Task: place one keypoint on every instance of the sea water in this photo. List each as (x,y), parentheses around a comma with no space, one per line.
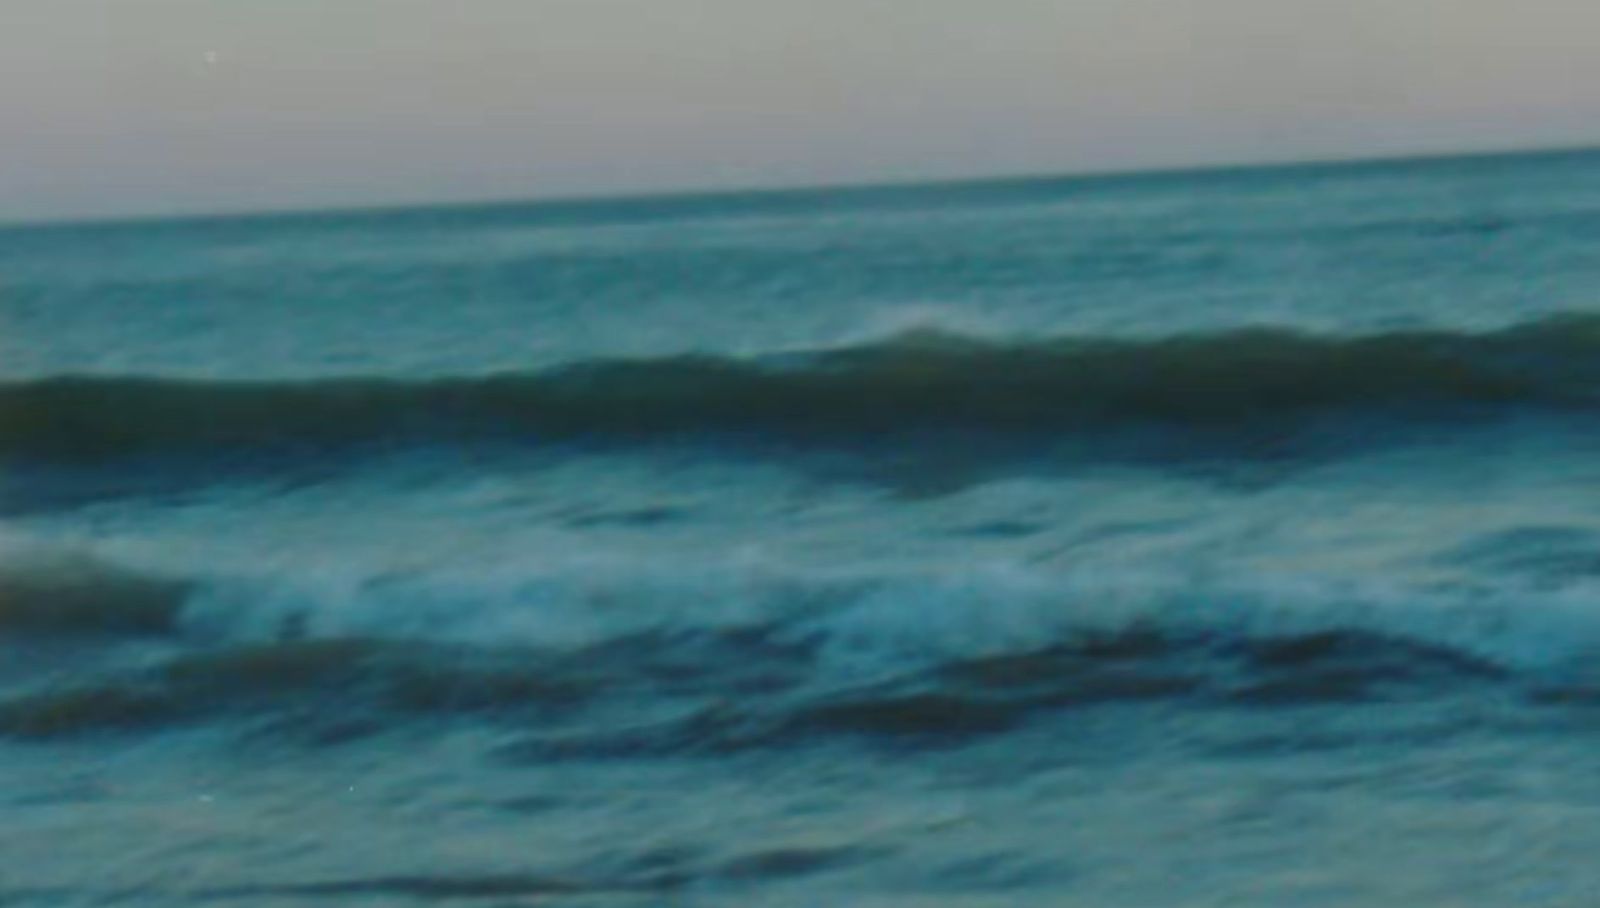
(1224,538)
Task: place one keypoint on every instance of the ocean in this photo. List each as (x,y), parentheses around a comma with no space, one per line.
(1224,538)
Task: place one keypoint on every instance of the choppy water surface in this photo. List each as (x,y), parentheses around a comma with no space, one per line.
(1208,539)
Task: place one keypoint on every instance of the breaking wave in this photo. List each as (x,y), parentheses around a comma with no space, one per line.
(625,662)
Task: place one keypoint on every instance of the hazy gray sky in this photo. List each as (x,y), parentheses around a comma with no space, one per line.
(150,106)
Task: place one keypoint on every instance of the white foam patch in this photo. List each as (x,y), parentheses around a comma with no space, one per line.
(869,623)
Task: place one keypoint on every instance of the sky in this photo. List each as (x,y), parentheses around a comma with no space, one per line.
(130,107)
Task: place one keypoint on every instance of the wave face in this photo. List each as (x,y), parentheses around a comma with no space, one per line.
(56,593)
(912,383)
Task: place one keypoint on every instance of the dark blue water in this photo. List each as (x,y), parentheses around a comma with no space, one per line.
(1223,538)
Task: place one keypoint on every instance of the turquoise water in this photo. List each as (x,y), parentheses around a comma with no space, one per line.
(1224,538)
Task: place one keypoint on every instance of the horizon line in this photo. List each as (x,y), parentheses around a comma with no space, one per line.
(712,194)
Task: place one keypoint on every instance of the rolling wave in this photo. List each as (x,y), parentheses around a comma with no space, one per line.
(67,593)
(911,383)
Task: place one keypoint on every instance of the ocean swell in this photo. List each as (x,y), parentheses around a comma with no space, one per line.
(907,384)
